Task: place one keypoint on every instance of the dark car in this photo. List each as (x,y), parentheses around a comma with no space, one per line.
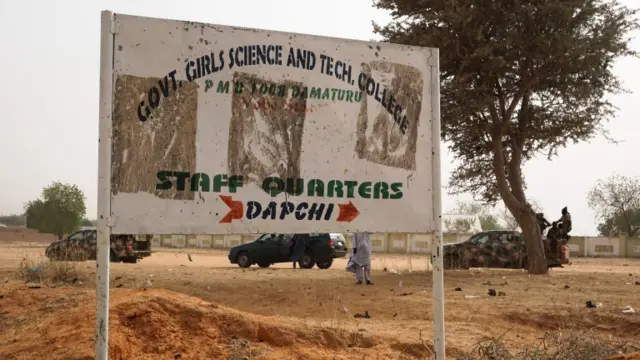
(497,249)
(267,249)
(83,245)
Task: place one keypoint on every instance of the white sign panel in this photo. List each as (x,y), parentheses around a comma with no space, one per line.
(220,129)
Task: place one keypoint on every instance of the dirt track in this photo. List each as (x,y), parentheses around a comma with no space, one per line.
(311,311)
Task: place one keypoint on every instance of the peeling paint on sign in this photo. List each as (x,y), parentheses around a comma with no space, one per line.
(169,141)
(219,129)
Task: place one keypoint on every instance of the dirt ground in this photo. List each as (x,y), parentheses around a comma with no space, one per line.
(210,309)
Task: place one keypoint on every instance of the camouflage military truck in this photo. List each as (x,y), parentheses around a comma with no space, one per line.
(83,245)
(498,249)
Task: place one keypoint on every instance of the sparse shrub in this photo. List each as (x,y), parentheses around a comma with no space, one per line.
(574,345)
(242,349)
(47,272)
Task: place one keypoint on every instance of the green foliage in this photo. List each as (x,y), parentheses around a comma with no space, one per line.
(616,201)
(619,225)
(488,220)
(510,222)
(13,220)
(59,211)
(457,226)
(518,79)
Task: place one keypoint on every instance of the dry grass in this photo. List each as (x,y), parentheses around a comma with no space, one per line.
(572,345)
(242,349)
(47,272)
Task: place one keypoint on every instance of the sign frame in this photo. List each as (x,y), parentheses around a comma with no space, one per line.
(108,32)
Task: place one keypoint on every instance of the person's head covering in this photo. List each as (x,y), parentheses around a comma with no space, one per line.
(564,210)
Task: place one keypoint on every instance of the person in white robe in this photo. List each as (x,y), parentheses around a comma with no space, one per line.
(360,261)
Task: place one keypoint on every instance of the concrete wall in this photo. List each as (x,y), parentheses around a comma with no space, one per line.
(9,235)
(380,242)
(402,243)
(604,247)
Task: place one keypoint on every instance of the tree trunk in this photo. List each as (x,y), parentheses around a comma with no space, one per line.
(511,189)
(536,259)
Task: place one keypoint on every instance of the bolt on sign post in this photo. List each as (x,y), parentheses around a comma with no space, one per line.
(208,129)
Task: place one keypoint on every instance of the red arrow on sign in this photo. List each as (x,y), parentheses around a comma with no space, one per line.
(348,212)
(236,211)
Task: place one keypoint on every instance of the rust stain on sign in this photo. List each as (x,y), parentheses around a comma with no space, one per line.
(379,139)
(265,140)
(166,141)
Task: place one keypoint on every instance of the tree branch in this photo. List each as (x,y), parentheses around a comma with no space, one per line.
(498,168)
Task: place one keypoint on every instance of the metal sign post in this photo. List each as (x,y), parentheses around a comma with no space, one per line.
(104,185)
(437,266)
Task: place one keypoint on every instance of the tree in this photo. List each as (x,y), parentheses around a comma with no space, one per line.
(59,211)
(616,201)
(488,221)
(606,228)
(618,225)
(510,222)
(457,226)
(518,79)
(13,220)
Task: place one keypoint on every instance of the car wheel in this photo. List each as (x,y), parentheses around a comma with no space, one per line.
(325,264)
(264,265)
(130,260)
(243,260)
(306,261)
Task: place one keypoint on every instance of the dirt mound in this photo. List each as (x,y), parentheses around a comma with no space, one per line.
(160,324)
(612,321)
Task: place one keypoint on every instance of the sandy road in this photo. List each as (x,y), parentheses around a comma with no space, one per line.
(400,304)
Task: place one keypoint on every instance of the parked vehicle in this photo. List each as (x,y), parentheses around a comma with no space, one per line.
(499,249)
(83,245)
(267,249)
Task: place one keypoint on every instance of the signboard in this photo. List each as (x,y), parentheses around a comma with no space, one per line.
(208,129)
(219,129)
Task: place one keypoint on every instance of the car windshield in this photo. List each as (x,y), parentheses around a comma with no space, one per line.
(267,237)
(263,237)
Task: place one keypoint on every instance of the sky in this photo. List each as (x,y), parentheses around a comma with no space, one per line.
(49,126)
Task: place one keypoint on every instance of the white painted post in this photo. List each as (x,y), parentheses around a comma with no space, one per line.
(436,243)
(104,185)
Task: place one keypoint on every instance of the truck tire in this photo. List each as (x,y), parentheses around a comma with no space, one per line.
(306,261)
(243,260)
(324,264)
